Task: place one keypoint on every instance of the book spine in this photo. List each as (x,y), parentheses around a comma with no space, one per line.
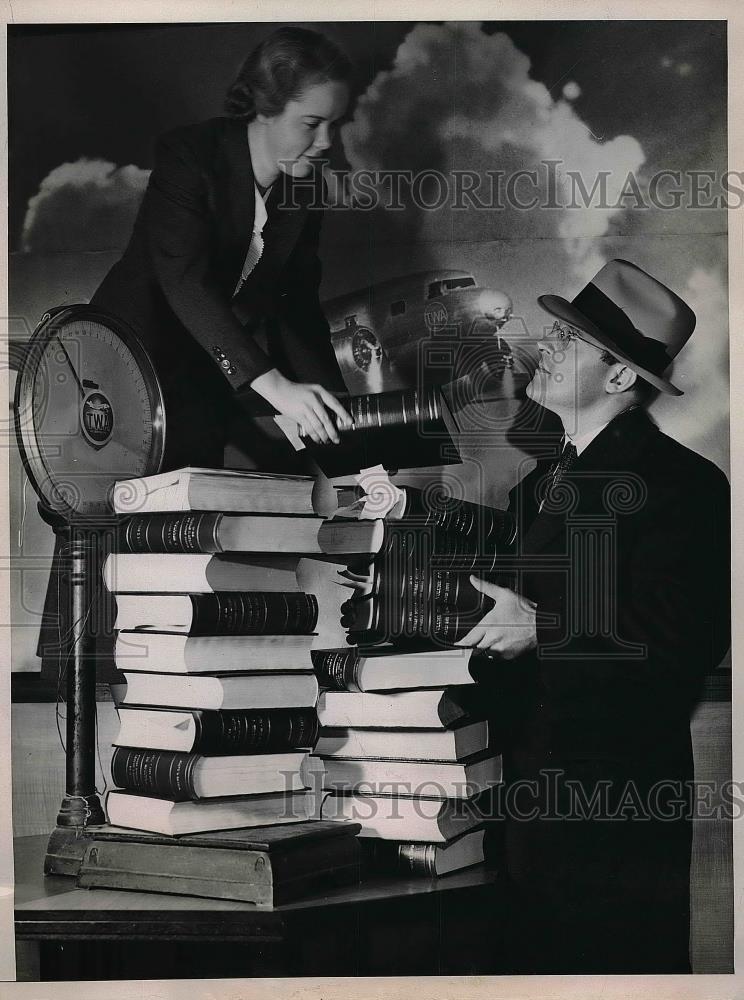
(172,533)
(396,858)
(435,587)
(404,542)
(163,773)
(336,669)
(407,623)
(422,541)
(378,410)
(254,613)
(484,526)
(417,859)
(230,732)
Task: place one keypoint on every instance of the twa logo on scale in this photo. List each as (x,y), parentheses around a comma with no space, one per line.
(97,419)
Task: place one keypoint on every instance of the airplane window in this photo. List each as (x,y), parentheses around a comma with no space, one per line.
(451,283)
(437,288)
(397,308)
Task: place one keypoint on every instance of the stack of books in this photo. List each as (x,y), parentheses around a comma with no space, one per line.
(403,741)
(405,753)
(224,584)
(417,587)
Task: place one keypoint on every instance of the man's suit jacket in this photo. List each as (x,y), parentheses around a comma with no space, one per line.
(175,283)
(628,565)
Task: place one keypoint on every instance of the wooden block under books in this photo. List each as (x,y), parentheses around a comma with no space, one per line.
(266,867)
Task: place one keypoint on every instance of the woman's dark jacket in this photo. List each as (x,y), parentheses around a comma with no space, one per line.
(175,284)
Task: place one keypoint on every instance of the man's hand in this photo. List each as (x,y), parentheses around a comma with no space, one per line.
(508,629)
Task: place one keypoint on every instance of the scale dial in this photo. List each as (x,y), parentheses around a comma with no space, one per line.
(89,410)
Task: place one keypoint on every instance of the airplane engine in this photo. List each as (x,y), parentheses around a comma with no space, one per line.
(361,356)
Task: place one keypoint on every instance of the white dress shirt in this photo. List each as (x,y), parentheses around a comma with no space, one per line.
(582,441)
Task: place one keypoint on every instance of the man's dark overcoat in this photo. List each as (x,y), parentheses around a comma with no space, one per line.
(628,564)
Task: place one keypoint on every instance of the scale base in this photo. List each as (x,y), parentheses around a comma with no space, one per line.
(78,822)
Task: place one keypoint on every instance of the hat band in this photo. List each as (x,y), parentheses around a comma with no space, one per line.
(610,318)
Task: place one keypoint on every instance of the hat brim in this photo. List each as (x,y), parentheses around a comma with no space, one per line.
(563,309)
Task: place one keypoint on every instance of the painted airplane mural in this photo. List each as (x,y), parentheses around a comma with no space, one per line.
(429,326)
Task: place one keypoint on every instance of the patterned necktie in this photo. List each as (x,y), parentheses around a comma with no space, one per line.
(564,464)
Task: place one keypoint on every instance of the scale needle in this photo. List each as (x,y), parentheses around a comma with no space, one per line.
(72,367)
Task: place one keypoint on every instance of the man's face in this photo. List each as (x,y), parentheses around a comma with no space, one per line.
(571,375)
(305,128)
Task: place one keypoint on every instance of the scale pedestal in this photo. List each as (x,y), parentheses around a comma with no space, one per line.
(80,812)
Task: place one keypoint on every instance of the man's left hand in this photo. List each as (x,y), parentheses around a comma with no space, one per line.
(508,629)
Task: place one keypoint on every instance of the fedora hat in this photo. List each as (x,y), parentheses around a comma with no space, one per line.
(626,311)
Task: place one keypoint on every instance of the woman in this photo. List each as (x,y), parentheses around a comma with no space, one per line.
(220,277)
(221,274)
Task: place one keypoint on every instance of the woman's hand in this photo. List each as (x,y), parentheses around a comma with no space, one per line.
(312,406)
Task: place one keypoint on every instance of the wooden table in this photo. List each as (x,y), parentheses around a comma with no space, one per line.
(384,926)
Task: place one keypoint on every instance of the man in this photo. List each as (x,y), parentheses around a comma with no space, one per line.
(619,609)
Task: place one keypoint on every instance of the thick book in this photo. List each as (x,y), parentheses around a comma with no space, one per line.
(427,860)
(215,489)
(176,653)
(406,428)
(189,574)
(262,866)
(413,778)
(350,669)
(416,744)
(214,532)
(423,583)
(384,620)
(391,817)
(189,776)
(160,815)
(431,709)
(259,690)
(251,613)
(410,548)
(246,731)
(485,527)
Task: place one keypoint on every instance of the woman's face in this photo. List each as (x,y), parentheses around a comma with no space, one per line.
(305,128)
